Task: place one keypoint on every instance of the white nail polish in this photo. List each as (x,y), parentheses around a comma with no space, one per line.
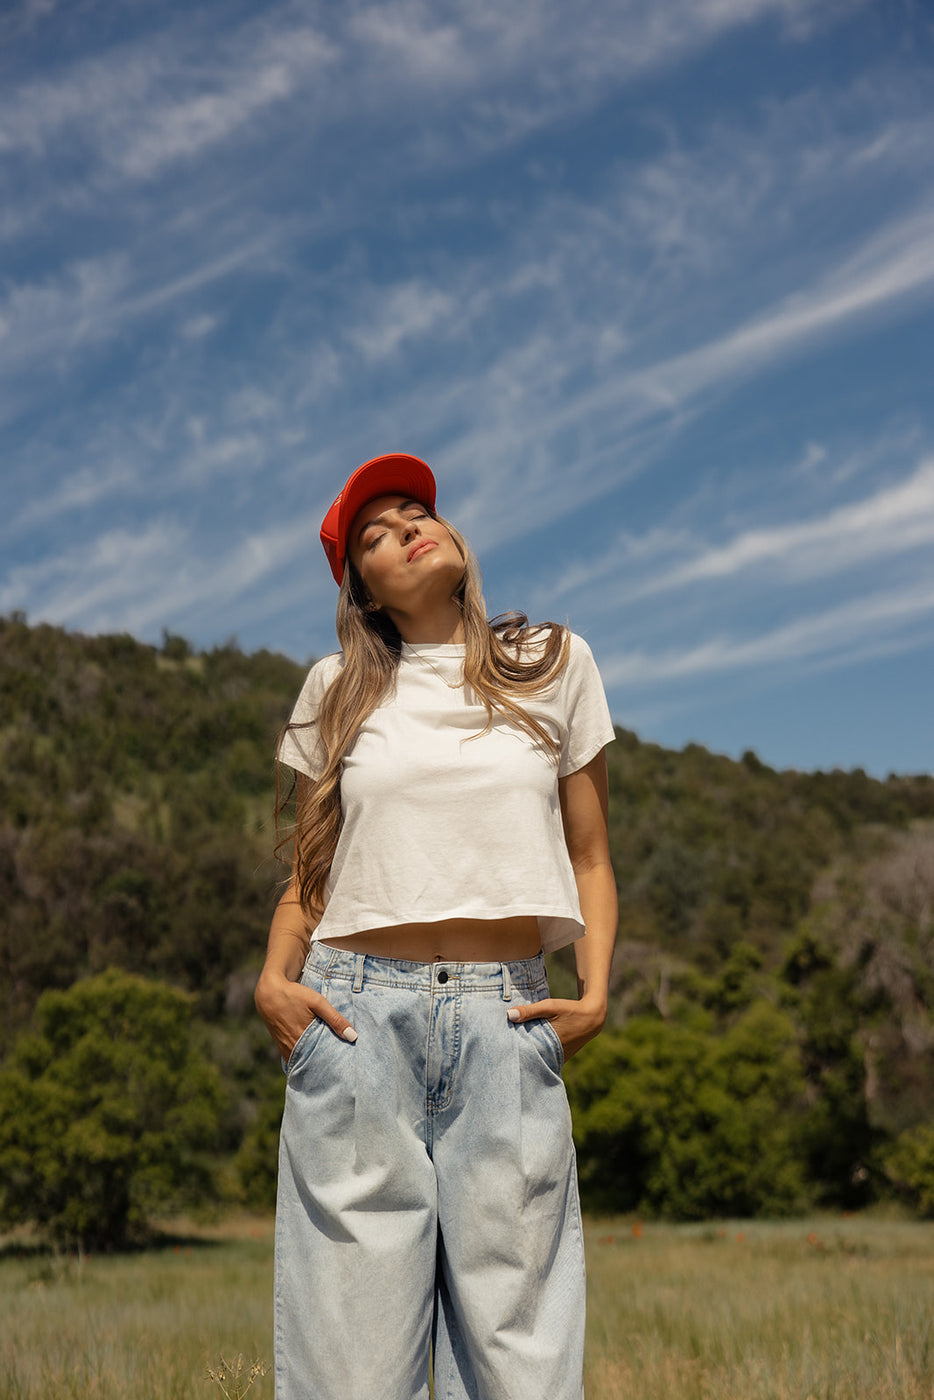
(514,1013)
(349,1034)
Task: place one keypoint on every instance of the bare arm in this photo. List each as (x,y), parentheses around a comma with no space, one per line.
(285,1005)
(584,809)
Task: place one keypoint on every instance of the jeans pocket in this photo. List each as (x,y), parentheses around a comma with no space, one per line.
(547,1042)
(312,979)
(304,1045)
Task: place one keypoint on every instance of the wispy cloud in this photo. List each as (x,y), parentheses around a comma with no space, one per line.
(267,66)
(862,627)
(91,582)
(163,98)
(90,301)
(142,579)
(893,521)
(407,311)
(832,535)
(79,490)
(894,263)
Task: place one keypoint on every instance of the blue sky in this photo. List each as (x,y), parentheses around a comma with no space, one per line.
(651,286)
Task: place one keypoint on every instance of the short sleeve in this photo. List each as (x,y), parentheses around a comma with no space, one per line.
(587,723)
(299,746)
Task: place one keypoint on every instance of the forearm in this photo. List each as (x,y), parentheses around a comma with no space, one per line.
(576,1022)
(289,938)
(593,953)
(284,1003)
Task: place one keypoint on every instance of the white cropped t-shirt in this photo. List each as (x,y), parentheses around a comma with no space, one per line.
(439,823)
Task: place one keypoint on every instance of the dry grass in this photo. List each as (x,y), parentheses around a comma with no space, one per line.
(138,1327)
(833,1309)
(828,1309)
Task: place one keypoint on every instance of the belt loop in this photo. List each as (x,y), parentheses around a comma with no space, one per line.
(358,972)
(507,982)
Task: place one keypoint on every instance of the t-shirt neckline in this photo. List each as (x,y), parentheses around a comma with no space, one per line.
(433,650)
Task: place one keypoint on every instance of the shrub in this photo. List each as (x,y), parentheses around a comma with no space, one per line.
(676,1121)
(909,1166)
(105,1111)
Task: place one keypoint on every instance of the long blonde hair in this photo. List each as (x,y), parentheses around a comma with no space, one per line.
(504,661)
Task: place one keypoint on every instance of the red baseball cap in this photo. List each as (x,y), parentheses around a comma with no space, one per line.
(394,474)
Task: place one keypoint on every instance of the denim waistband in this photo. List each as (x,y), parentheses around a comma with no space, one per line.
(341,965)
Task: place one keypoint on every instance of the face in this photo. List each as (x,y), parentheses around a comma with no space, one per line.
(405,557)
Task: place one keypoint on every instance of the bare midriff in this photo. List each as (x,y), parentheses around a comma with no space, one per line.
(450,940)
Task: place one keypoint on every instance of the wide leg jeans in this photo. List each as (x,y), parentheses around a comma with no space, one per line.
(427,1191)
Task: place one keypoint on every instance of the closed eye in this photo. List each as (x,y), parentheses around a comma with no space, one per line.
(412,510)
(410,515)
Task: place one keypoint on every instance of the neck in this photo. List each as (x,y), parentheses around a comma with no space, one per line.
(440,625)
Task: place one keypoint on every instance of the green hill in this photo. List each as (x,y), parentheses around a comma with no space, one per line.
(136,791)
(135,811)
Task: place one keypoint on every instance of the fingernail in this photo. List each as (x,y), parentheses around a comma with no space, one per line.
(514,1013)
(349,1034)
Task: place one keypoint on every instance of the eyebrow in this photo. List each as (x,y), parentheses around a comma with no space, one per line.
(378,519)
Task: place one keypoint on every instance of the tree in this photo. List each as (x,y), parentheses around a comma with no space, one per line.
(677,1121)
(256,1163)
(830,1008)
(106,1111)
(909,1166)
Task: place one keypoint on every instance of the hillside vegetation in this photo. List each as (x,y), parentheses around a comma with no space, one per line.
(771,1038)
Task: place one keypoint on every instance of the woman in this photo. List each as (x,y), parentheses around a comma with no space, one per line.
(451,821)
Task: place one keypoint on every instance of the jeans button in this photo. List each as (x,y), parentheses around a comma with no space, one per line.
(442,976)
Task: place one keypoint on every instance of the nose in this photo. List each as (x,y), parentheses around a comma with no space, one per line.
(410,529)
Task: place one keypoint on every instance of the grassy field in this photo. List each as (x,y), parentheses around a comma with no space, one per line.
(824,1309)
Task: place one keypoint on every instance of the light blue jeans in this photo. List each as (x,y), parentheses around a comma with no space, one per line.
(427,1191)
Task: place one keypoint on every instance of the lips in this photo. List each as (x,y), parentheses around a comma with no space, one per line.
(420,548)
